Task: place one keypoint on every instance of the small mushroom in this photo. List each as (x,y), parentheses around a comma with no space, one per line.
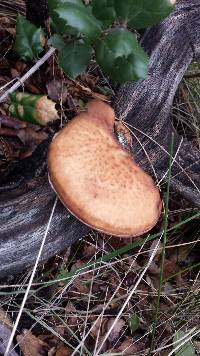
(97,179)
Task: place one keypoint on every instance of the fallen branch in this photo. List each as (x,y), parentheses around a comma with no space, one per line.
(22,80)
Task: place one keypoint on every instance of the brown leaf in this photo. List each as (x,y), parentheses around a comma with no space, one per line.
(4,131)
(71,316)
(14,73)
(170,268)
(20,67)
(117,329)
(130,348)
(30,87)
(104,325)
(80,281)
(89,251)
(12,123)
(31,345)
(64,351)
(89,80)
(29,135)
(57,91)
(4,319)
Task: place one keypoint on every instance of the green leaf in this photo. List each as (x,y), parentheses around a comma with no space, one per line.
(74,58)
(56,41)
(121,57)
(78,18)
(29,39)
(104,11)
(59,25)
(53,4)
(142,13)
(187,349)
(36,109)
(134,323)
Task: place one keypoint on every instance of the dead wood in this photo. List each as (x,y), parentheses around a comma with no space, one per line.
(173,45)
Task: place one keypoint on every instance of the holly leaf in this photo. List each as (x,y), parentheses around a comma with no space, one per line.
(58,25)
(57,41)
(143,13)
(104,11)
(52,4)
(29,39)
(79,19)
(121,57)
(74,58)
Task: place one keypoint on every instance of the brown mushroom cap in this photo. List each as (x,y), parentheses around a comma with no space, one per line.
(97,180)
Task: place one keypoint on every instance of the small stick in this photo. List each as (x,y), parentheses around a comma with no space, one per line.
(20,81)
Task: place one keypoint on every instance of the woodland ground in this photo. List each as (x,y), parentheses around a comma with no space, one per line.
(108,296)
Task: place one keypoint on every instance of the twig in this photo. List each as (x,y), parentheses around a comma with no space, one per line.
(20,81)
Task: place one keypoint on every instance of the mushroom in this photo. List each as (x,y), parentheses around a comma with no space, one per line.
(97,179)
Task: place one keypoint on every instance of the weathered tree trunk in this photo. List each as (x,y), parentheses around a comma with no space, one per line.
(146,105)
(25,209)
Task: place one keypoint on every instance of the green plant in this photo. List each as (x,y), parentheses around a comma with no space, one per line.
(103,28)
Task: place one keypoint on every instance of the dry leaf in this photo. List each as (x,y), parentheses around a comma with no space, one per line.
(57,91)
(11,123)
(128,347)
(31,345)
(80,281)
(64,351)
(117,329)
(4,319)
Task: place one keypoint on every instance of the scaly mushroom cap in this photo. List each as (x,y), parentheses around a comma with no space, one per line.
(97,180)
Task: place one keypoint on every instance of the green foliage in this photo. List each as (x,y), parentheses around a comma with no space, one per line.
(29,39)
(58,25)
(142,13)
(36,109)
(134,323)
(23,106)
(121,57)
(81,30)
(187,349)
(77,18)
(57,41)
(74,58)
(104,11)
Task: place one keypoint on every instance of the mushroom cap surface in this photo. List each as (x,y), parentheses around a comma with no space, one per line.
(97,179)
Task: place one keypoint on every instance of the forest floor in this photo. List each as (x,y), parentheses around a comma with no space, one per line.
(105,295)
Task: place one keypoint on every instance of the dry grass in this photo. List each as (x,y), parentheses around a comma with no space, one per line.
(107,296)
